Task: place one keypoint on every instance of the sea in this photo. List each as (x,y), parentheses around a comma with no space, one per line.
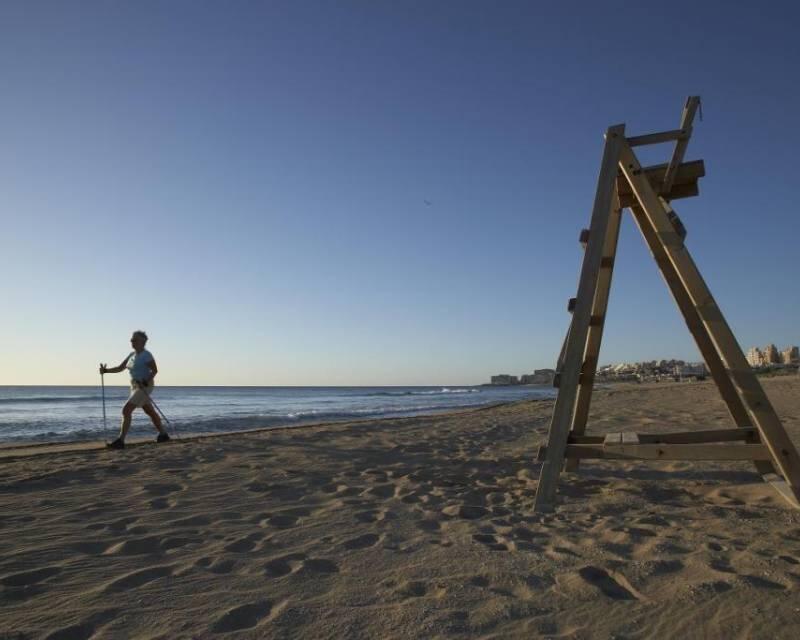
(59,414)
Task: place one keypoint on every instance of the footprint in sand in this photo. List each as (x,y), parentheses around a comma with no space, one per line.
(91,548)
(282,521)
(159,489)
(761,583)
(412,589)
(381,491)
(138,578)
(245,616)
(362,542)
(162,503)
(85,629)
(27,578)
(467,512)
(295,562)
(178,542)
(284,565)
(121,524)
(136,546)
(191,521)
(428,525)
(320,565)
(243,545)
(608,585)
(374,515)
(494,542)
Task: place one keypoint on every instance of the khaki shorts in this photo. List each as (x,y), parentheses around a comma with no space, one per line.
(139,397)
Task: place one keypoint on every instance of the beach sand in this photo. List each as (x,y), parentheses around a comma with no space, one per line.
(406,528)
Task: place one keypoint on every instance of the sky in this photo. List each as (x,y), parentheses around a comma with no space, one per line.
(374,193)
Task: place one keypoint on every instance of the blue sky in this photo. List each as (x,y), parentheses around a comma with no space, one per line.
(247,182)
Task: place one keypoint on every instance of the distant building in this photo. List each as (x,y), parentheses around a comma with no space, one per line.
(695,370)
(754,357)
(504,379)
(771,355)
(539,376)
(790,355)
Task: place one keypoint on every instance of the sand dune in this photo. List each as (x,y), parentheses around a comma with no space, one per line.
(406,528)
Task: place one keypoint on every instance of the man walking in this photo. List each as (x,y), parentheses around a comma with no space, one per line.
(142,368)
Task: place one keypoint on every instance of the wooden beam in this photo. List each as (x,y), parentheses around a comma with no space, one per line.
(563,410)
(686,177)
(702,436)
(680,147)
(687,451)
(657,452)
(661,136)
(759,408)
(596,324)
(699,332)
(749,435)
(679,191)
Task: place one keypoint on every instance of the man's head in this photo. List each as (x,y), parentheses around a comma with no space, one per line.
(138,340)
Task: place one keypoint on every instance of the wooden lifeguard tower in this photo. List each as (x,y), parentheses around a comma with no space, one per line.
(647,192)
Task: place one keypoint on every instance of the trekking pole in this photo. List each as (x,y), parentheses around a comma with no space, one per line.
(103,388)
(160,412)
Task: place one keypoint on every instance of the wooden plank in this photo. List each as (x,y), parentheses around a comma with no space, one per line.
(677,192)
(758,406)
(657,138)
(596,324)
(680,437)
(782,487)
(563,410)
(708,350)
(680,147)
(693,321)
(655,452)
(561,356)
(688,173)
(701,436)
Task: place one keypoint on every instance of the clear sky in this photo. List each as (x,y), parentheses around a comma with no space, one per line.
(247,181)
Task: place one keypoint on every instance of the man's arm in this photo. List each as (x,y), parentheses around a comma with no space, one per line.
(153,371)
(121,367)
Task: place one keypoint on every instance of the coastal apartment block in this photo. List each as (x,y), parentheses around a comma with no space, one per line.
(770,355)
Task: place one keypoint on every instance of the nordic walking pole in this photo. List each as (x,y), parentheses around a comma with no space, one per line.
(160,412)
(103,388)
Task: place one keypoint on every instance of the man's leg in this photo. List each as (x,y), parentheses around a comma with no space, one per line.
(150,410)
(127,412)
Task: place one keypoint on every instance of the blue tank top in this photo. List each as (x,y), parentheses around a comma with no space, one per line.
(139,364)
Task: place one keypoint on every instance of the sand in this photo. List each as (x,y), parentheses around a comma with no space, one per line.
(405,528)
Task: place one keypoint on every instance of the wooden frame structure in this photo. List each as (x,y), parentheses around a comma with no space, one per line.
(647,192)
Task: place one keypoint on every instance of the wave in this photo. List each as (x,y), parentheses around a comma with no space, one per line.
(427,392)
(50,399)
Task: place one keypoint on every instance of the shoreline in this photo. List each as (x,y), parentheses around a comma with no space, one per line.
(36,448)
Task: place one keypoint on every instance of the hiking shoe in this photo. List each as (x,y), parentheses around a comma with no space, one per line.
(162,437)
(119,443)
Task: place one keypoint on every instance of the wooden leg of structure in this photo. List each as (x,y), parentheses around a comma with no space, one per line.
(591,354)
(564,409)
(698,330)
(763,416)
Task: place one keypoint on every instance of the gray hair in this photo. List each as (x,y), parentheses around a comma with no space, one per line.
(140,334)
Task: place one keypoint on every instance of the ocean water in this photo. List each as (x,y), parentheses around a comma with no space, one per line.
(76,413)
